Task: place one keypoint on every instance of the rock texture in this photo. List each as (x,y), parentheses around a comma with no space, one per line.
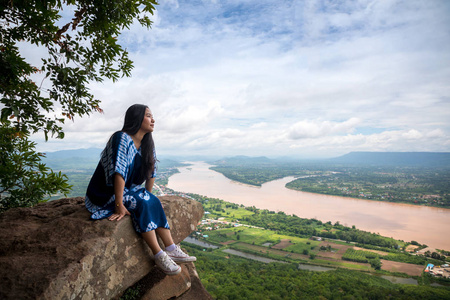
(54,251)
(186,286)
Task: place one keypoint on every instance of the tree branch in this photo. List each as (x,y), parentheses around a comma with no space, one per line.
(75,21)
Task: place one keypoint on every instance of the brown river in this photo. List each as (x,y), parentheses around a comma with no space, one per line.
(426,225)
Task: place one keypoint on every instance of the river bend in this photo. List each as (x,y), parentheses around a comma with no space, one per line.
(426,225)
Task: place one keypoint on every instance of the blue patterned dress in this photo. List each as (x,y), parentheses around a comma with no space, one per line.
(121,156)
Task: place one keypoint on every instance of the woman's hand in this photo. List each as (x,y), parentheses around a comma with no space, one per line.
(119,186)
(120,212)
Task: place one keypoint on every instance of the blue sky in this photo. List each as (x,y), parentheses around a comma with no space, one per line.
(307,79)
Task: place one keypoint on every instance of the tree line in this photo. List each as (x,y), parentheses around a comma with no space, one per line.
(236,278)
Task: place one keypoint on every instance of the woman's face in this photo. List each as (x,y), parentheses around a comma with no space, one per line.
(148,123)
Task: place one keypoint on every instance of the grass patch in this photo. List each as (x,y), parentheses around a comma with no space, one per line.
(341,264)
(257,236)
(236,214)
(301,246)
(230,212)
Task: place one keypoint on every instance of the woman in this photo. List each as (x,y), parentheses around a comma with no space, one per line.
(114,191)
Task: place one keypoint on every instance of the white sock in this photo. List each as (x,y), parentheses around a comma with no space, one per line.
(158,254)
(171,248)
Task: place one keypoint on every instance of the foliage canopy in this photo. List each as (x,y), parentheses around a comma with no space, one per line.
(78,42)
(81,50)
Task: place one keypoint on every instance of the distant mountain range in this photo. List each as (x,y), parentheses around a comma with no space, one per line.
(402,159)
(79,159)
(69,158)
(94,153)
(391,159)
(87,159)
(81,153)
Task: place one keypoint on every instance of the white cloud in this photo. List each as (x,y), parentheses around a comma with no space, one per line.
(412,135)
(411,140)
(311,129)
(290,78)
(188,118)
(259,125)
(436,133)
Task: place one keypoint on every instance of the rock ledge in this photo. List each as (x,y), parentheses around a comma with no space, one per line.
(54,251)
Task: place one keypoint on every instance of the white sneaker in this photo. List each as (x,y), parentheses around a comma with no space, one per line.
(179,256)
(167,264)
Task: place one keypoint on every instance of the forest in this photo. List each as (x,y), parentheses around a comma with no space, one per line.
(233,278)
(230,277)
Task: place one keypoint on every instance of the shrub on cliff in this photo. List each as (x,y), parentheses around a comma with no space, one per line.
(24,180)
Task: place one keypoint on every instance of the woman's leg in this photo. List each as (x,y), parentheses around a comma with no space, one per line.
(151,240)
(165,236)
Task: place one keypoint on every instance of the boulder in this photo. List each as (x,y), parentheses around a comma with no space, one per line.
(55,251)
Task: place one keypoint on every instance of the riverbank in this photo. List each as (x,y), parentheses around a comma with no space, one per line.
(416,186)
(404,222)
(222,229)
(222,232)
(333,190)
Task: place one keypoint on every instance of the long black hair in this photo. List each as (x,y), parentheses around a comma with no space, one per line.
(133,120)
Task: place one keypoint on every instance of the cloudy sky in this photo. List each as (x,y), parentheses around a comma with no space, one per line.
(308,79)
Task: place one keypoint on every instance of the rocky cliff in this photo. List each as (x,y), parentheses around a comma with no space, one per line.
(54,251)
